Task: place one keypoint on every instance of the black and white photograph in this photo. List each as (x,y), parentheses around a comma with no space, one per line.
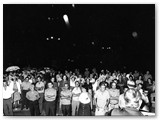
(79,60)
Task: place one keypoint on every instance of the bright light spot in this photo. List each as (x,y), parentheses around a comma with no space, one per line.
(73,5)
(59,38)
(51,37)
(92,43)
(47,38)
(102,47)
(109,47)
(68,59)
(65,17)
(134,34)
(101,62)
(49,18)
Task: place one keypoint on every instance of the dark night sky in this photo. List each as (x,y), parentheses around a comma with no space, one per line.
(26,28)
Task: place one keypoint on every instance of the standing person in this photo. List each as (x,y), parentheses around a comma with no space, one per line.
(25,88)
(101,99)
(75,98)
(17,92)
(33,97)
(50,96)
(66,100)
(7,99)
(84,106)
(40,89)
(131,97)
(114,96)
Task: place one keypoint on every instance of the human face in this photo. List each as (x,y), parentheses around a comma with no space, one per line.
(77,84)
(50,85)
(66,86)
(113,86)
(103,88)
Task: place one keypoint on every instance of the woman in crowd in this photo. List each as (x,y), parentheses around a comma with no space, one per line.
(84,106)
(114,96)
(33,97)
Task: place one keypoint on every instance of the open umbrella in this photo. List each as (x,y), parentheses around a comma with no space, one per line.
(12,68)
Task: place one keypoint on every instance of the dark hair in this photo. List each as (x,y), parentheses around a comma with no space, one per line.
(102,84)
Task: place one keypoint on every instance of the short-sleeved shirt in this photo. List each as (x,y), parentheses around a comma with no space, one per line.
(76,91)
(32,96)
(50,94)
(102,97)
(66,101)
(26,85)
(40,87)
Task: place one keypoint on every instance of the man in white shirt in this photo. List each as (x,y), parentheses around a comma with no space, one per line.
(7,99)
(75,98)
(101,100)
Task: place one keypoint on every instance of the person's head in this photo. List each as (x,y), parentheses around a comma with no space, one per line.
(102,86)
(130,77)
(66,86)
(50,85)
(113,85)
(39,78)
(76,84)
(147,72)
(132,97)
(149,80)
(140,86)
(64,77)
(26,79)
(52,79)
(83,89)
(140,77)
(32,87)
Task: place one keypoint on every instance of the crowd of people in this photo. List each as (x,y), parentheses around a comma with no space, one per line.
(74,93)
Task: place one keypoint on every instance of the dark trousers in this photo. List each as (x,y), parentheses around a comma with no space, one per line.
(66,110)
(24,99)
(7,107)
(34,108)
(50,108)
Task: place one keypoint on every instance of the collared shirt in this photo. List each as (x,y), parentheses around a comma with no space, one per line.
(76,91)
(66,101)
(7,93)
(32,95)
(50,94)
(114,93)
(102,98)
(40,87)
(26,85)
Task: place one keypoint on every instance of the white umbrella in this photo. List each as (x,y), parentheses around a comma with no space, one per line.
(12,68)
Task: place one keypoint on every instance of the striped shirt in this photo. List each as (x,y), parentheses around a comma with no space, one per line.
(50,94)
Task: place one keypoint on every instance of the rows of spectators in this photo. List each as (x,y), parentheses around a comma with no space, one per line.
(75,93)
